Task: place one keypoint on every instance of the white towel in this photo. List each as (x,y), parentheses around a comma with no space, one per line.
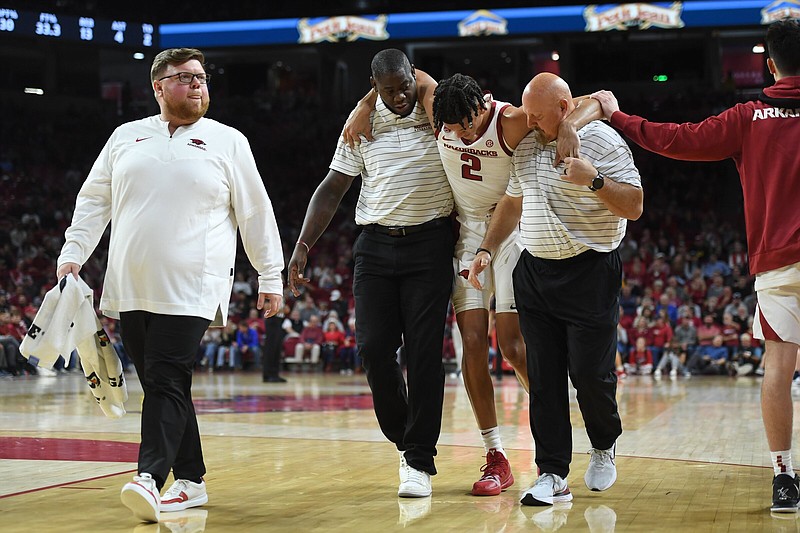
(67,321)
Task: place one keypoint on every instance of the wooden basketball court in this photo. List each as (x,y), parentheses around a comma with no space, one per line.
(308,456)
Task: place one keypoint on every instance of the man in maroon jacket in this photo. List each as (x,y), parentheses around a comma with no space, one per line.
(762,138)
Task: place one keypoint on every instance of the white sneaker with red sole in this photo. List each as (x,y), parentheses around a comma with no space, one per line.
(141,496)
(184,494)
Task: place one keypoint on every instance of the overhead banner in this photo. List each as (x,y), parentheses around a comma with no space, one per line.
(480,23)
(781,9)
(335,29)
(623,16)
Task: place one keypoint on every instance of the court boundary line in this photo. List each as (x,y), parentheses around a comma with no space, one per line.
(65,484)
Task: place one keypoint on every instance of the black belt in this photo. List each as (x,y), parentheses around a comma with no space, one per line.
(402,231)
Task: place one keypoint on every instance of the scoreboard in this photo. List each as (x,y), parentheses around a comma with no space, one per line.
(57,27)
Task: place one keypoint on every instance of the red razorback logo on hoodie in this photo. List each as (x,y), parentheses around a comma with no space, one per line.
(197,143)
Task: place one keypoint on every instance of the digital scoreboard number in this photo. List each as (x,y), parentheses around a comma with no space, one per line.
(53,26)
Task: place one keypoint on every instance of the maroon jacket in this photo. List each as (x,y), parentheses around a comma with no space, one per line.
(312,335)
(762,139)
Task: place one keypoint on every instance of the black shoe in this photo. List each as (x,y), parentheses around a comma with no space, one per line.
(273,379)
(785,493)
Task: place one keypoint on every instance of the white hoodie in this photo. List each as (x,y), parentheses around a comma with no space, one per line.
(175,202)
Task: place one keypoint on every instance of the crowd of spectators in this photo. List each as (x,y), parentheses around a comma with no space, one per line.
(685,261)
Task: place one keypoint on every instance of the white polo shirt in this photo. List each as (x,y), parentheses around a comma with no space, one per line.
(560,219)
(403,181)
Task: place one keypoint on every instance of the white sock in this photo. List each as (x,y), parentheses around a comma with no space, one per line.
(491,440)
(782,462)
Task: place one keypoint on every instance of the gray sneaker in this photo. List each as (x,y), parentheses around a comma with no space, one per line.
(602,471)
(548,489)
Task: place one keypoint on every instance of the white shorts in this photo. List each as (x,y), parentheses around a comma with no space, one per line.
(777,316)
(496,279)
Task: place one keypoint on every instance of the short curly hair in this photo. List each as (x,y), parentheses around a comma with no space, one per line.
(456,99)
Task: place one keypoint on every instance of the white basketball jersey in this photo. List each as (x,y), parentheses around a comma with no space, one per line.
(478,171)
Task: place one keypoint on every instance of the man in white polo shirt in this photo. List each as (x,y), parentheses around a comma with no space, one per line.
(567,281)
(403,263)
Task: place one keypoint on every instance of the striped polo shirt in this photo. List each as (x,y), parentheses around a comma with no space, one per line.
(560,219)
(402,179)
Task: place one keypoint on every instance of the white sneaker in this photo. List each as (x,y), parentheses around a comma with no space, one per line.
(673,373)
(602,472)
(657,374)
(413,483)
(547,490)
(184,494)
(141,497)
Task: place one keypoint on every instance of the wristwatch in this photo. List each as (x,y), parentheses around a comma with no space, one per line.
(597,182)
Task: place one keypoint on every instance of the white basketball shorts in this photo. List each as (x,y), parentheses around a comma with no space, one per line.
(777,316)
(496,278)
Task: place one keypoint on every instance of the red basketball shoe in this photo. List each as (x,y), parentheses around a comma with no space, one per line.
(496,476)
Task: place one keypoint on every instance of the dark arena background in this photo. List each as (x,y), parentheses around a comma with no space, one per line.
(307,454)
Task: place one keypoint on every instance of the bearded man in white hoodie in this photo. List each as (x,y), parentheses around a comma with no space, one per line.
(176,186)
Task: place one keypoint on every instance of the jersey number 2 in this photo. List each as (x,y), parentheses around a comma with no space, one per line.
(471,166)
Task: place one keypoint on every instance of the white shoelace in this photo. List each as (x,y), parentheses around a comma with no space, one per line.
(601,458)
(147,478)
(544,479)
(415,476)
(175,490)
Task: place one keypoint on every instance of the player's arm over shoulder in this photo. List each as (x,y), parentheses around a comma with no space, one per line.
(426,86)
(515,125)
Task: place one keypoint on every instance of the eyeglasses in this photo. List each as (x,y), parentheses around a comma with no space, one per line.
(186,77)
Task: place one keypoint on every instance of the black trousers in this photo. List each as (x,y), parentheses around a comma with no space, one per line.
(568,313)
(402,288)
(163,349)
(271,364)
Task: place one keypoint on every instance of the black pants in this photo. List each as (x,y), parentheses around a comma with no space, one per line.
(271,365)
(402,288)
(163,349)
(568,313)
